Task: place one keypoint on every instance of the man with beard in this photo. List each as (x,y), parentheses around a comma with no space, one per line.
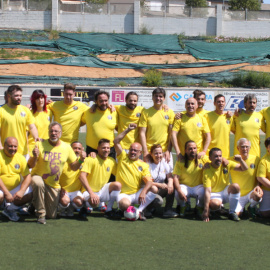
(248,124)
(94,177)
(217,186)
(48,159)
(200,96)
(100,124)
(134,176)
(15,118)
(188,178)
(191,127)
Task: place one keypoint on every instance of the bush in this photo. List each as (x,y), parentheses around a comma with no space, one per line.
(152,77)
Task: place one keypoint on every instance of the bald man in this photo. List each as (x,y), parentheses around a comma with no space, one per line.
(13,166)
(191,127)
(134,175)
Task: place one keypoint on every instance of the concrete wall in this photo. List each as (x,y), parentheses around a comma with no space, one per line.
(131,23)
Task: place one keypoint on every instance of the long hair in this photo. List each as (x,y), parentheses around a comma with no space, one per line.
(36,95)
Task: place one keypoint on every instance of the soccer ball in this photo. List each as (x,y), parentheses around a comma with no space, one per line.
(132,213)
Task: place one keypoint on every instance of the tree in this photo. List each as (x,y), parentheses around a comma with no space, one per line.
(244,4)
(196,3)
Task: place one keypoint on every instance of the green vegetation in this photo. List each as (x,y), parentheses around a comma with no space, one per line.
(144,30)
(32,55)
(152,77)
(204,83)
(244,4)
(121,84)
(222,39)
(196,3)
(53,34)
(251,79)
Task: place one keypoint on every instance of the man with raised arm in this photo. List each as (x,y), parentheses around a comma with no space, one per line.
(68,113)
(250,190)
(155,126)
(217,186)
(48,159)
(134,175)
(191,127)
(13,168)
(15,118)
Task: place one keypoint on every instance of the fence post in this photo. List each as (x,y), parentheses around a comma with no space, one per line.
(219,20)
(246,11)
(55,7)
(137,16)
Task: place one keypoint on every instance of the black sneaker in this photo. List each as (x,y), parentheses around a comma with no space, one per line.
(177,209)
(83,213)
(234,217)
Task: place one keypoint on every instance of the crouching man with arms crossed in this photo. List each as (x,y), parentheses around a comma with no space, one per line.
(94,177)
(132,173)
(217,186)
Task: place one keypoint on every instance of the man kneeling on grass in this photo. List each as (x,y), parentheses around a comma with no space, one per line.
(132,173)
(94,177)
(217,185)
(13,166)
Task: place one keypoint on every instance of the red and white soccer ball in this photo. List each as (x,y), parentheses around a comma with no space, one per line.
(132,213)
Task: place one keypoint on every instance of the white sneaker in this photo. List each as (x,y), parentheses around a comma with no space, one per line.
(11,215)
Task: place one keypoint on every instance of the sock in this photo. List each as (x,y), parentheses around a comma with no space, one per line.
(179,202)
(150,196)
(62,206)
(233,200)
(113,196)
(74,205)
(254,203)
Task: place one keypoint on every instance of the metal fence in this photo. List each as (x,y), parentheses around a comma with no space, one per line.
(95,8)
(163,9)
(246,15)
(22,5)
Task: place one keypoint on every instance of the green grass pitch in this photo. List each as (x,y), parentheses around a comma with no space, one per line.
(155,244)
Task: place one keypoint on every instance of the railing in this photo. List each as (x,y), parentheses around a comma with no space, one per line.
(246,15)
(22,5)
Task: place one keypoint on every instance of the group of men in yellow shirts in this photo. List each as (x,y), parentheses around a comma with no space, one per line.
(63,175)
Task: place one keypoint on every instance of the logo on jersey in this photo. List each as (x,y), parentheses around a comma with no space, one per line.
(228,121)
(108,169)
(109,117)
(17,166)
(200,166)
(199,124)
(252,166)
(225,170)
(257,120)
(75,108)
(166,117)
(23,114)
(140,168)
(49,119)
(138,114)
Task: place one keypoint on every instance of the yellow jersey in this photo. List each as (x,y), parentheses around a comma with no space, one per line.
(264,169)
(190,128)
(69,116)
(157,123)
(220,128)
(266,115)
(126,117)
(13,123)
(131,173)
(192,175)
(51,161)
(98,171)
(12,168)
(218,179)
(69,179)
(248,126)
(100,125)
(246,179)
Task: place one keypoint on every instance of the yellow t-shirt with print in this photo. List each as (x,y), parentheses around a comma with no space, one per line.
(157,123)
(218,179)
(190,128)
(246,179)
(264,169)
(42,122)
(126,117)
(69,179)
(131,173)
(69,116)
(266,115)
(248,126)
(12,168)
(98,171)
(220,128)
(13,123)
(100,125)
(51,161)
(192,175)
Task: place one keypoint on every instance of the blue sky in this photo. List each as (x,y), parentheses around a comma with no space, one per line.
(266,1)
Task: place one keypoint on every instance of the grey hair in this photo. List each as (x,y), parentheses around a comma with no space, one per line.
(242,140)
(52,124)
(249,97)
